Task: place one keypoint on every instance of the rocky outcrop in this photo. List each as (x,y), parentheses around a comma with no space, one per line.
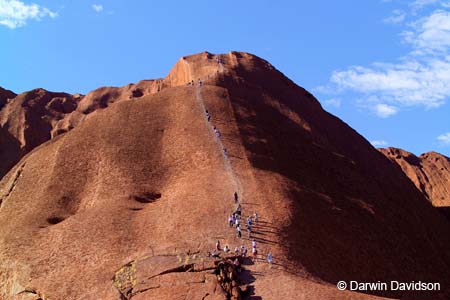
(192,276)
(33,118)
(430,173)
(5,95)
(26,121)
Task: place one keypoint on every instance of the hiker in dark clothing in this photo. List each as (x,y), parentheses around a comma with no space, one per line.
(238,210)
(235,197)
(237,264)
(249,221)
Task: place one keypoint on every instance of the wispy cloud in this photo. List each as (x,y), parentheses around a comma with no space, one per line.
(444,139)
(97,7)
(419,4)
(420,78)
(14,13)
(430,35)
(398,16)
(384,110)
(334,102)
(379,143)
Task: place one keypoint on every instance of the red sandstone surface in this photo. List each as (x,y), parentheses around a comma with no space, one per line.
(121,193)
(430,173)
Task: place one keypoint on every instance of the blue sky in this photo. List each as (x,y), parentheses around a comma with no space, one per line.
(382,66)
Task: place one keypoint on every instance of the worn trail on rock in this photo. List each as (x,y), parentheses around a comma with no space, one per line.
(220,145)
(227,162)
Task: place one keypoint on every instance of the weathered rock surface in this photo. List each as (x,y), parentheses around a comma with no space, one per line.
(430,173)
(32,118)
(144,180)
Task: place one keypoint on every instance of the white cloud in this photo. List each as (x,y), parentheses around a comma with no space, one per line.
(334,102)
(384,110)
(379,143)
(420,78)
(14,13)
(408,83)
(419,4)
(430,34)
(398,16)
(97,7)
(444,138)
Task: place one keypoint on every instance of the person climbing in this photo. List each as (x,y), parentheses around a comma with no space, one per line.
(238,209)
(236,250)
(218,245)
(217,132)
(199,82)
(215,254)
(235,197)
(237,264)
(225,152)
(249,221)
(249,230)
(226,249)
(231,220)
(255,253)
(239,234)
(243,251)
(255,217)
(270,258)
(254,243)
(237,222)
(192,82)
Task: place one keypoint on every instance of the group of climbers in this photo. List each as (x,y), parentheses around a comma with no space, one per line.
(234,219)
(217,133)
(191,83)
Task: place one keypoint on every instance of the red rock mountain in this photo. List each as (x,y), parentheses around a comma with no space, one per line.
(32,118)
(430,173)
(126,203)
